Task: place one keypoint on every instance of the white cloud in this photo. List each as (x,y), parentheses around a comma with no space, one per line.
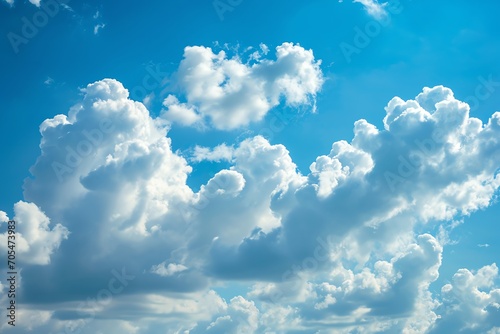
(397,288)
(334,248)
(98,27)
(34,2)
(240,316)
(343,161)
(264,48)
(33,319)
(374,8)
(68,8)
(172,268)
(180,112)
(218,153)
(3,217)
(35,240)
(471,303)
(231,94)
(49,81)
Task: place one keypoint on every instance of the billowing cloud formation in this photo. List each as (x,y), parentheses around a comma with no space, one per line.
(331,251)
(470,302)
(230,93)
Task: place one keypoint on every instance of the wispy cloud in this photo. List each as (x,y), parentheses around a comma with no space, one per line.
(373,8)
(49,81)
(98,27)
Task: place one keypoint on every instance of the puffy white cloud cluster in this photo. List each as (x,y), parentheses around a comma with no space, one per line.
(471,303)
(34,239)
(331,251)
(229,93)
(241,316)
(218,153)
(432,162)
(353,298)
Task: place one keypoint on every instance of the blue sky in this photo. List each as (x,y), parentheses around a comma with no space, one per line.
(236,166)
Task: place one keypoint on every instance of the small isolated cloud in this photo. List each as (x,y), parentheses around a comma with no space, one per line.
(68,8)
(98,27)
(3,217)
(264,48)
(483,245)
(240,316)
(373,8)
(49,81)
(229,93)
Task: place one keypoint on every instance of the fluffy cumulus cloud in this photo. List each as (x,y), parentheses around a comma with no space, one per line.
(240,316)
(228,93)
(35,239)
(471,303)
(331,251)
